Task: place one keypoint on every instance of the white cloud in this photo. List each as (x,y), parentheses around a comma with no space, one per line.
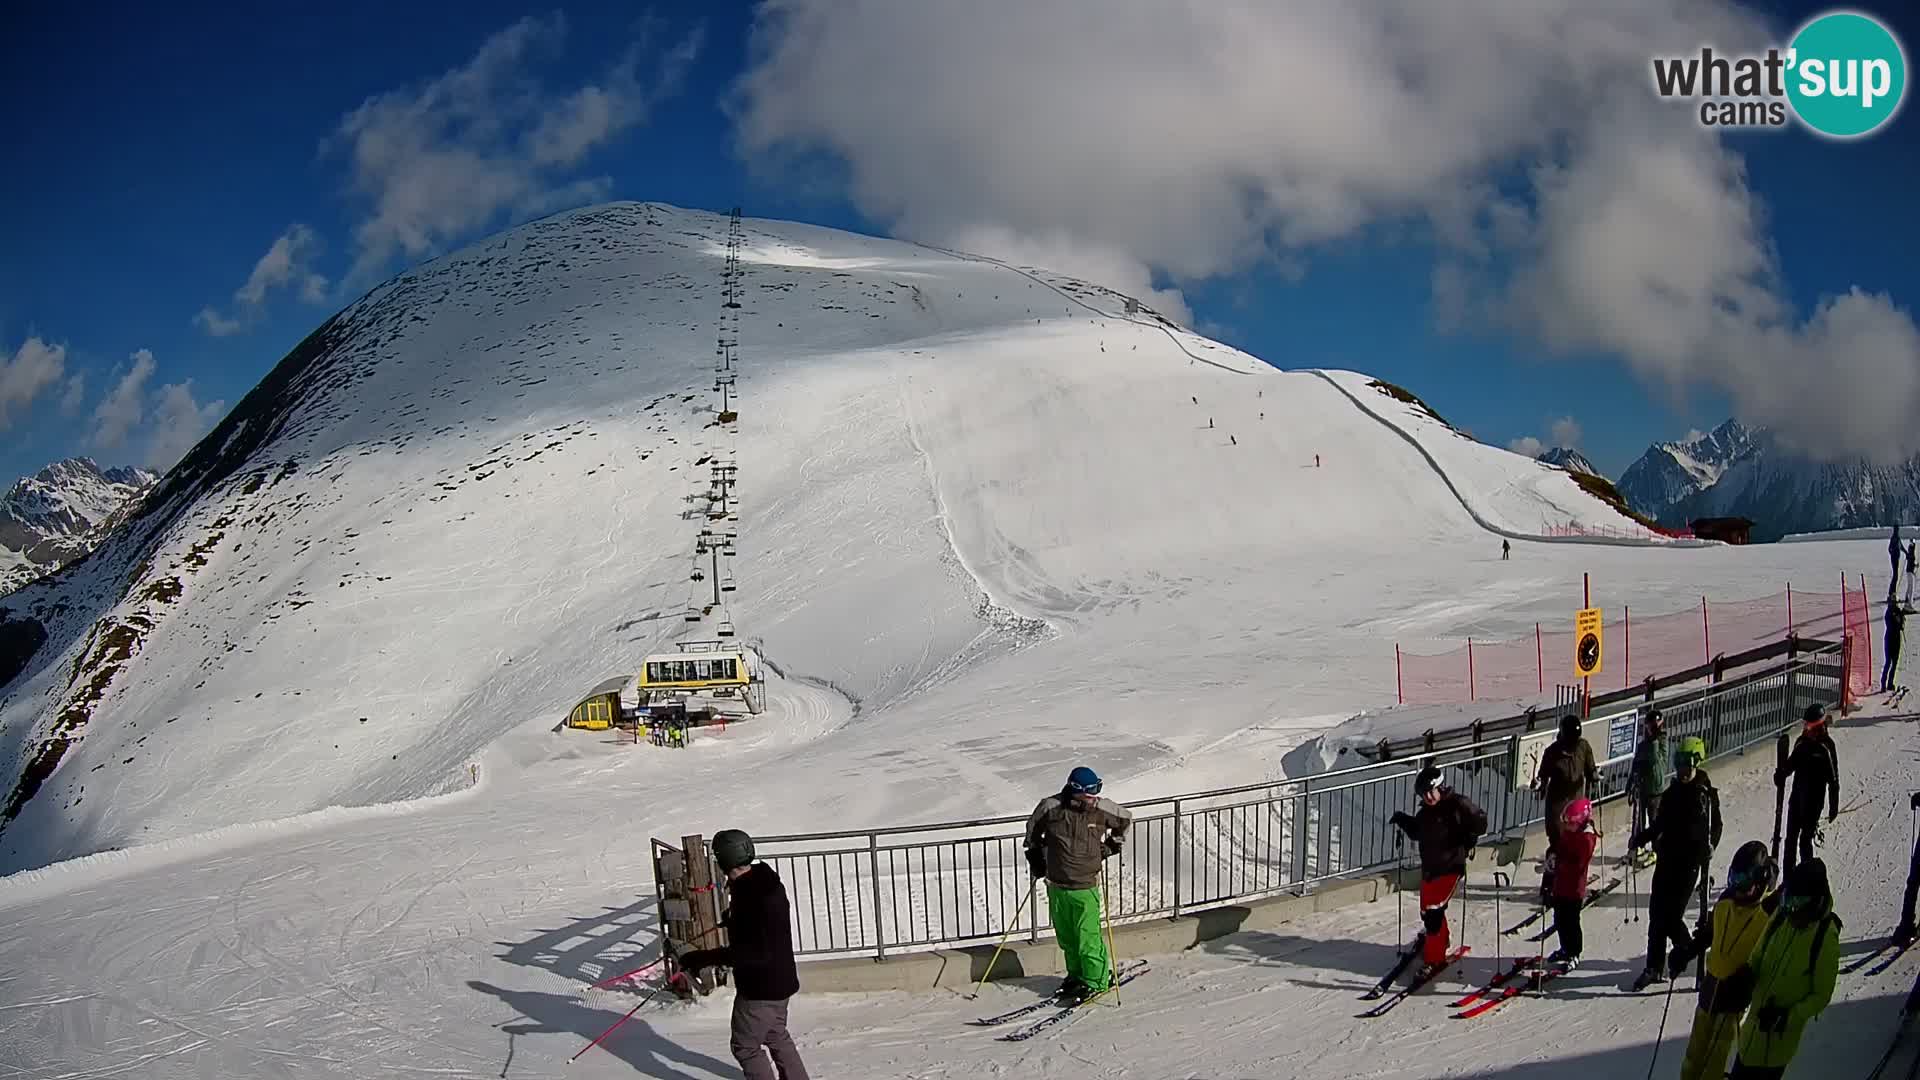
(74,394)
(437,161)
(169,419)
(34,366)
(178,423)
(1527,445)
(216,324)
(1568,203)
(124,407)
(1565,432)
(288,264)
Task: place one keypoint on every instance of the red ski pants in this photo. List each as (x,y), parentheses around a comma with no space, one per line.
(1434,894)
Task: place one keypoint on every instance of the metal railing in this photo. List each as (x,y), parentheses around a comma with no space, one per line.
(918,887)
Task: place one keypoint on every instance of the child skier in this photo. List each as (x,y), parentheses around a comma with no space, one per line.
(1904,933)
(1446,828)
(1684,836)
(1069,837)
(1795,966)
(1569,875)
(1727,940)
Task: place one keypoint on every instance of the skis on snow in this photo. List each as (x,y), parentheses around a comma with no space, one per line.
(1399,965)
(1422,979)
(1062,1012)
(1520,964)
(1592,895)
(1538,914)
(1533,980)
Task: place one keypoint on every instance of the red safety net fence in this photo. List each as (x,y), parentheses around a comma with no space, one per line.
(1627,531)
(1638,647)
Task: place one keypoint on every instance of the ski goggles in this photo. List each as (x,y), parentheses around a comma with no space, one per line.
(1793,902)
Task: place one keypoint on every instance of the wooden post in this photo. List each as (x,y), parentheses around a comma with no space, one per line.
(702,896)
(1399,681)
(1470,693)
(1789,609)
(1626,674)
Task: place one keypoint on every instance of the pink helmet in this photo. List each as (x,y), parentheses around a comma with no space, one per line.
(1577,813)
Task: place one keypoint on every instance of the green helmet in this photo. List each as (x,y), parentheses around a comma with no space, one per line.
(1693,748)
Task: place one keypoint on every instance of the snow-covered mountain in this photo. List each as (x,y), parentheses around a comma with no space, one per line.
(1746,472)
(474,494)
(59,513)
(1569,459)
(1671,472)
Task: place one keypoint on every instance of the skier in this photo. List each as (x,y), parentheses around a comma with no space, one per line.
(1684,836)
(1896,625)
(759,949)
(1069,837)
(1795,967)
(1904,933)
(1446,827)
(1506,549)
(1651,771)
(1815,768)
(1569,878)
(1893,556)
(1727,940)
(1567,772)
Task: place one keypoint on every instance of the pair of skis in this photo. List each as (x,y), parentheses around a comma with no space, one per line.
(1423,979)
(1527,973)
(1063,1010)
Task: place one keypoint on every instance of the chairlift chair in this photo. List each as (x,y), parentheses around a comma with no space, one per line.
(726,627)
(726,583)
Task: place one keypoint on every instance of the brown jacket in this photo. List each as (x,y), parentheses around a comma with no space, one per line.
(1067,841)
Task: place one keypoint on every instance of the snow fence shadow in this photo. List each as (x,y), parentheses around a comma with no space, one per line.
(593,948)
(636,1043)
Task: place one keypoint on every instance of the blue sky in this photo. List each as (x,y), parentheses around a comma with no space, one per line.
(159,155)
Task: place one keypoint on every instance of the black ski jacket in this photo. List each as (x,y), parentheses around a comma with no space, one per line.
(1815,768)
(759,945)
(1445,831)
(1687,829)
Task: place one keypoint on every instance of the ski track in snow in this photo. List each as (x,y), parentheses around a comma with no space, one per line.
(978,509)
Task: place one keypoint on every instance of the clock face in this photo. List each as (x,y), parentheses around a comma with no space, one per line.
(1588,655)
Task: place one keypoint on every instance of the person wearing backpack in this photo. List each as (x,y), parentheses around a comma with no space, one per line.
(1794,966)
(1651,771)
(1726,940)
(1567,772)
(1684,836)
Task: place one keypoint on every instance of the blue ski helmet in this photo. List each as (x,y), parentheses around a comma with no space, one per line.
(1083,781)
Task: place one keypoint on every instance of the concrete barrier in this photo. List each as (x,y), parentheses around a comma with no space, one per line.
(960,969)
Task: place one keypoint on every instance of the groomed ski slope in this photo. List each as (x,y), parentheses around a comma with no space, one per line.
(475,507)
(459,942)
(980,549)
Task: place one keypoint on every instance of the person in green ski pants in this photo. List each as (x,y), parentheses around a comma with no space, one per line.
(1069,837)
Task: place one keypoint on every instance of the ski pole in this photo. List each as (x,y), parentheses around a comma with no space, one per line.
(1113,955)
(1500,881)
(1400,889)
(617,1023)
(663,955)
(1011,924)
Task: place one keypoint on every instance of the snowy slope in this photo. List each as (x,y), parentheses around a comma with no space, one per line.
(994,523)
(459,504)
(59,513)
(1505,492)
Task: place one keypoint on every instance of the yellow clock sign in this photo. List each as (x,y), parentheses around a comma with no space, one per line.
(1588,648)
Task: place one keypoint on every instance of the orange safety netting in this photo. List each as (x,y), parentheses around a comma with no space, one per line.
(1637,647)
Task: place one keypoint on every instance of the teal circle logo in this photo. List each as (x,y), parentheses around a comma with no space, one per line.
(1848,74)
